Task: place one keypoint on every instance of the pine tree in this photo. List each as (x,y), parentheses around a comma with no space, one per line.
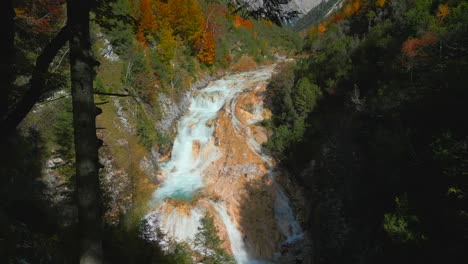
(211,246)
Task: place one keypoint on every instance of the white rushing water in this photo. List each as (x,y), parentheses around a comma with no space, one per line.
(184,169)
(285,218)
(235,237)
(183,173)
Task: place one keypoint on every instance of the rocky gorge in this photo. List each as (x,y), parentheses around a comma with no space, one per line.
(217,166)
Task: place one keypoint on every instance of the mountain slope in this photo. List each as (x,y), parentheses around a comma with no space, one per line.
(315,15)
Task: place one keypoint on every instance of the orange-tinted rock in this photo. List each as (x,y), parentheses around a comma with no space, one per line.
(196,148)
(239,176)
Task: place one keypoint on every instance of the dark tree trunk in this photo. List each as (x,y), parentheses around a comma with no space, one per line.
(7,54)
(84,123)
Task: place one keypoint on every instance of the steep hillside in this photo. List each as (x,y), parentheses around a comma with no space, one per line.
(316,15)
(370,124)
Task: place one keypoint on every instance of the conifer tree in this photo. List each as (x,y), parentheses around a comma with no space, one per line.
(208,241)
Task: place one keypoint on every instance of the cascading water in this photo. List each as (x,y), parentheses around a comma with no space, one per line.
(235,237)
(195,149)
(184,169)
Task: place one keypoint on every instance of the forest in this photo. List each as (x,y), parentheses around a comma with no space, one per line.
(372,122)
(363,116)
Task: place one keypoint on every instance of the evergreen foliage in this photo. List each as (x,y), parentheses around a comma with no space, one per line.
(384,141)
(208,243)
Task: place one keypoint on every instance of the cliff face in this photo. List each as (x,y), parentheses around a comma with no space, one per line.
(301,6)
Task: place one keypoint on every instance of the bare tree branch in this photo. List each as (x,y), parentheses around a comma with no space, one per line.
(37,83)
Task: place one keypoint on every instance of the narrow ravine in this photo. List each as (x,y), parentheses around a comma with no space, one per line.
(217,166)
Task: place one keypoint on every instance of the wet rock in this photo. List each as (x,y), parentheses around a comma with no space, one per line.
(55,162)
(260,134)
(196,148)
(210,122)
(160,176)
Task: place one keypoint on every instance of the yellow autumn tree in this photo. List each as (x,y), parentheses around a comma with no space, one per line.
(186,18)
(442,12)
(380,3)
(167,43)
(312,31)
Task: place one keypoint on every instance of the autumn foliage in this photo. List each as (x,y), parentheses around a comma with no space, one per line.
(442,12)
(42,16)
(182,19)
(322,27)
(240,22)
(349,9)
(380,3)
(147,23)
(206,48)
(352,7)
(414,46)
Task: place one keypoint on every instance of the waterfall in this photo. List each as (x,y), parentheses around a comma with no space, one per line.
(184,169)
(195,149)
(286,219)
(235,237)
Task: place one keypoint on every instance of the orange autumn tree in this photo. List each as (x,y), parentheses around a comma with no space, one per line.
(413,50)
(322,28)
(414,46)
(214,15)
(240,22)
(356,5)
(352,7)
(147,22)
(205,45)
